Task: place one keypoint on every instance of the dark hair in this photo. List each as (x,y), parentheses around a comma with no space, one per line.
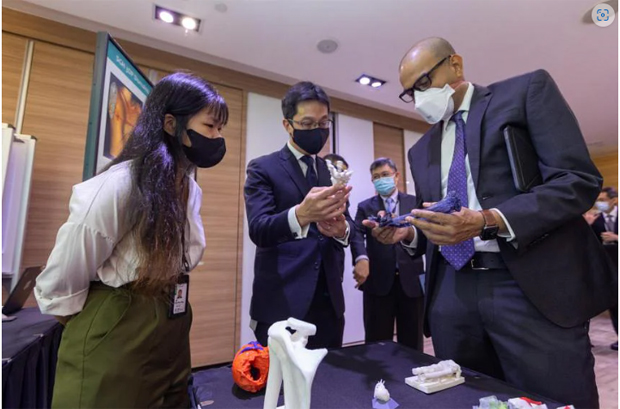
(382,162)
(611,192)
(334,157)
(300,92)
(156,209)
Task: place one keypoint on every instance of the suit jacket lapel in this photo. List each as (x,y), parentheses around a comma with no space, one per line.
(434,162)
(473,128)
(291,166)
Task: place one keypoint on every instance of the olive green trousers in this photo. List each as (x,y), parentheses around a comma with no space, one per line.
(122,351)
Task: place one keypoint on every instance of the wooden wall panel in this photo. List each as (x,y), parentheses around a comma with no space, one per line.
(607,164)
(214,283)
(57,114)
(13,54)
(389,143)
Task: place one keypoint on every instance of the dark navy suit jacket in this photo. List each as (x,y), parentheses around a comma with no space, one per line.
(382,257)
(558,262)
(286,269)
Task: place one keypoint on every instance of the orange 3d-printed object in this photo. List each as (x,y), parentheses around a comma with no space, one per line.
(251,367)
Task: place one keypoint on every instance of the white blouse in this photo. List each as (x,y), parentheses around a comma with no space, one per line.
(94,246)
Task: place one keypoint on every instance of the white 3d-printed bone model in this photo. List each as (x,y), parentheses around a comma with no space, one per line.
(339,175)
(291,362)
(437,377)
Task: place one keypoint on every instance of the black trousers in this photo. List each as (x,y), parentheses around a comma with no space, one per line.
(329,327)
(483,321)
(381,311)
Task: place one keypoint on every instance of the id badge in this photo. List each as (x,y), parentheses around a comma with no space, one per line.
(179,297)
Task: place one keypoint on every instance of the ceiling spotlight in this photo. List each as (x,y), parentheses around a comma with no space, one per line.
(166,16)
(370,80)
(178,19)
(189,23)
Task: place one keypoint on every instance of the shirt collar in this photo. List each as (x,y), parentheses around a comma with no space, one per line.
(465,105)
(298,155)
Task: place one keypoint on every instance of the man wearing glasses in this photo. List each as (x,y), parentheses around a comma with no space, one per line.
(514,276)
(386,274)
(299,224)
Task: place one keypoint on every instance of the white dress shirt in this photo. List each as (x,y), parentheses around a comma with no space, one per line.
(299,232)
(448,139)
(93,245)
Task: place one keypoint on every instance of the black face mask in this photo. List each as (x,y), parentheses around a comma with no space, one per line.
(311,140)
(204,152)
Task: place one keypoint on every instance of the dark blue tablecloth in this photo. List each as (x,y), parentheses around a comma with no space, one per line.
(346,379)
(29,352)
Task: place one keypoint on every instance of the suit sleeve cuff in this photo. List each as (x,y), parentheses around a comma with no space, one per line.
(298,231)
(344,240)
(359,258)
(410,247)
(510,235)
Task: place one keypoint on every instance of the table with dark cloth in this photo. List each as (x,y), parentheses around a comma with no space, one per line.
(347,377)
(29,352)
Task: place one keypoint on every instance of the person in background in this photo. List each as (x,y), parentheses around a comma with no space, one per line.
(334,157)
(299,224)
(133,233)
(386,274)
(606,228)
(513,277)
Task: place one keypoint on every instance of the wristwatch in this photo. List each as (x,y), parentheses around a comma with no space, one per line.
(491,227)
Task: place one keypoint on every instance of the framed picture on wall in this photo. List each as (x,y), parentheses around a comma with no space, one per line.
(118,93)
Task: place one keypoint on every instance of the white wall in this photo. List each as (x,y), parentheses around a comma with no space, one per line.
(264,134)
(410,139)
(354,141)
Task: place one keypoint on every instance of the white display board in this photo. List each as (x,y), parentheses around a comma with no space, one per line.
(15,198)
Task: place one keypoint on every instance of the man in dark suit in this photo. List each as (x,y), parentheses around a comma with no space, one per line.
(513,277)
(387,275)
(606,228)
(299,224)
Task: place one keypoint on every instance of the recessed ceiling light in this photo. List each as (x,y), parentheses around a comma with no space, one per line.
(178,19)
(189,23)
(166,16)
(370,80)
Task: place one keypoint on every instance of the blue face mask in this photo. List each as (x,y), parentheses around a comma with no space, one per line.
(385,186)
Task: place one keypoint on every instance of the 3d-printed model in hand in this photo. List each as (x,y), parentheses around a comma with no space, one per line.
(339,175)
(437,377)
(449,204)
(291,362)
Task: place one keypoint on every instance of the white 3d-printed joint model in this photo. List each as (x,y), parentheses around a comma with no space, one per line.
(291,362)
(339,175)
(437,377)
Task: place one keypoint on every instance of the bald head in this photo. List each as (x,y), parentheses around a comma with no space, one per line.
(435,46)
(431,55)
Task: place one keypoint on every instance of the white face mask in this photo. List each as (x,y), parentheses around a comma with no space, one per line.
(435,104)
(602,206)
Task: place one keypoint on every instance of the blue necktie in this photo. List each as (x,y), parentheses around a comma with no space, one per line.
(390,205)
(311,177)
(459,254)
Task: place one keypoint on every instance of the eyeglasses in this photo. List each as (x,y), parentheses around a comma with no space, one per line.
(309,124)
(385,174)
(422,84)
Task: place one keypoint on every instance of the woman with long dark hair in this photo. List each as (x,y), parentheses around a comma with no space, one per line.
(117,275)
